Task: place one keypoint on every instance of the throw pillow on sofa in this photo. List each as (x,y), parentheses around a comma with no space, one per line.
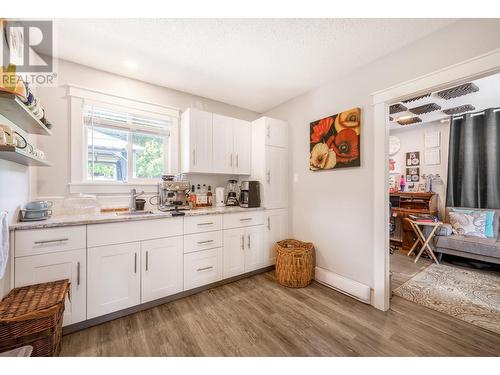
(490,227)
(471,224)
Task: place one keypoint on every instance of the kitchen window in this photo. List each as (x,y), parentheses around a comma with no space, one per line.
(125,146)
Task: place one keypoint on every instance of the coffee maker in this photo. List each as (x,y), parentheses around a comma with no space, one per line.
(250,194)
(172,195)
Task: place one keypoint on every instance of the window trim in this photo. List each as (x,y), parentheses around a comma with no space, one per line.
(78,97)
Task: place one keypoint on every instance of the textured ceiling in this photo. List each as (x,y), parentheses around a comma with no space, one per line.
(488,96)
(252,63)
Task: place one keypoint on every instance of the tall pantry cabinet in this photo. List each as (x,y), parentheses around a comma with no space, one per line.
(270,167)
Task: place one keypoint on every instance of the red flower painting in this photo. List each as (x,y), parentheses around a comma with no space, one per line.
(335,141)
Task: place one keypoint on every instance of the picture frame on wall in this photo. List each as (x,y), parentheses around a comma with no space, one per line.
(413,174)
(413,159)
(335,141)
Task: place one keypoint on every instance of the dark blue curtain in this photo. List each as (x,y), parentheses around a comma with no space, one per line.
(474,161)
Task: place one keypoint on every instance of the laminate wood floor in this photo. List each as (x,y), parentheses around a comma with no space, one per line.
(258,317)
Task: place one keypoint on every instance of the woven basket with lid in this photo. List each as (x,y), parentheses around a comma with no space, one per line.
(294,263)
(33,315)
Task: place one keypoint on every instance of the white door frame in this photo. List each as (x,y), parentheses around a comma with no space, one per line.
(467,70)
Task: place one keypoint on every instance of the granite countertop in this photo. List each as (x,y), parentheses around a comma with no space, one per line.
(62,221)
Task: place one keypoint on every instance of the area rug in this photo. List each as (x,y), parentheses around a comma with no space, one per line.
(469,295)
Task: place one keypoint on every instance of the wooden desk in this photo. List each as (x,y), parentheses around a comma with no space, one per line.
(404,204)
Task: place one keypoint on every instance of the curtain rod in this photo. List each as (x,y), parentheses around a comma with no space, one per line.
(473,114)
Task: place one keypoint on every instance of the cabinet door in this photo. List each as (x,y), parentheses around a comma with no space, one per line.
(276,133)
(276,179)
(234,252)
(57,266)
(197,141)
(162,265)
(242,147)
(223,157)
(276,230)
(114,281)
(254,247)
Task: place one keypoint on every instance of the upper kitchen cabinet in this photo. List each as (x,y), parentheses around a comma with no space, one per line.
(196,141)
(223,135)
(213,143)
(270,162)
(275,131)
(242,144)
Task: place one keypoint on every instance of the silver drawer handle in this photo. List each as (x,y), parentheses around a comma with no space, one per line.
(237,160)
(268,223)
(211,223)
(50,241)
(135,262)
(205,268)
(249,241)
(204,242)
(242,242)
(246,219)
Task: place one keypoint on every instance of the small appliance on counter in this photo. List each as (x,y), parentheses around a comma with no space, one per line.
(172,194)
(35,211)
(232,193)
(220,194)
(250,194)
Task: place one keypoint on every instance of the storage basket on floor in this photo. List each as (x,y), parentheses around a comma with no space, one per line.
(33,315)
(294,263)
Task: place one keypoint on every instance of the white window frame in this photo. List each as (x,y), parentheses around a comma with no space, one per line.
(80,97)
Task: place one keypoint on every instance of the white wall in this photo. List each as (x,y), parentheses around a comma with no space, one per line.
(14,191)
(412,139)
(334,209)
(54,181)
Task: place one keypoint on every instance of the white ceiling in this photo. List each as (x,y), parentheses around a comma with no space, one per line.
(251,63)
(488,96)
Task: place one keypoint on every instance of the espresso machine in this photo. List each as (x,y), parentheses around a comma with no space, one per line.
(250,194)
(172,194)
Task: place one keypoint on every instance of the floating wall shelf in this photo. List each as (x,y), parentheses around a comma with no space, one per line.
(19,156)
(16,111)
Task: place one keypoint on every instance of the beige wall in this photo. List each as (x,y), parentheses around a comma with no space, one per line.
(334,209)
(54,181)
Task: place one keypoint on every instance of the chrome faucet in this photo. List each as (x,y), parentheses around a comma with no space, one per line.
(133,197)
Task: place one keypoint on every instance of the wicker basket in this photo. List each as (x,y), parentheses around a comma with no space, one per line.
(294,263)
(33,315)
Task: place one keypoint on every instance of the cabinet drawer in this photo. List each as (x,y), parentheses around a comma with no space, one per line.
(243,219)
(114,233)
(50,240)
(203,223)
(202,267)
(202,241)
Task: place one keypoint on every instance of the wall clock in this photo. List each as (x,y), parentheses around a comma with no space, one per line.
(394,145)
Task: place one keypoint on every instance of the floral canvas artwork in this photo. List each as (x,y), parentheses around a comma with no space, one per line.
(335,141)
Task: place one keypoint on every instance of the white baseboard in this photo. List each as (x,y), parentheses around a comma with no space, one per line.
(344,285)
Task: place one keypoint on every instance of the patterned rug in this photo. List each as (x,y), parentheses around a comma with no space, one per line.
(469,295)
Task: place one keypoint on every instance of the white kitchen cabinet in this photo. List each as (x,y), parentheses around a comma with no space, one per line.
(276,229)
(276,178)
(243,250)
(70,265)
(202,268)
(114,281)
(242,131)
(254,248)
(223,144)
(234,252)
(276,132)
(196,140)
(162,268)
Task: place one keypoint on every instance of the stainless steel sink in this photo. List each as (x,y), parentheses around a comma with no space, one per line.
(135,213)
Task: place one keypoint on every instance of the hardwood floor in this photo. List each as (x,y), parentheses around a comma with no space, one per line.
(403,268)
(258,317)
